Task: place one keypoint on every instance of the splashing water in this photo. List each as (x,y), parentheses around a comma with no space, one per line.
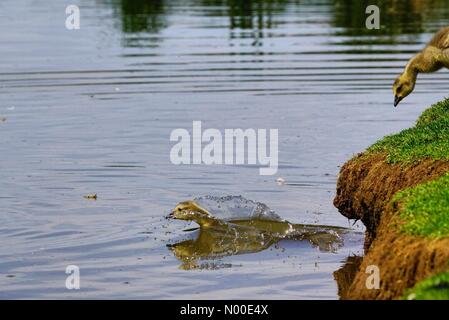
(234,225)
(236,208)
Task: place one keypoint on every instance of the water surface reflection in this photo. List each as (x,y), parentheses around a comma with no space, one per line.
(91,111)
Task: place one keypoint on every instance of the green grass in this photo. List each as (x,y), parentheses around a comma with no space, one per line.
(425,208)
(433,288)
(429,138)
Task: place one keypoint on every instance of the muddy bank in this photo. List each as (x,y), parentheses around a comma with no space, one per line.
(364,191)
(367,183)
(399,189)
(403,261)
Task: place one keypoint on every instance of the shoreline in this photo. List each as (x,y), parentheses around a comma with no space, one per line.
(394,189)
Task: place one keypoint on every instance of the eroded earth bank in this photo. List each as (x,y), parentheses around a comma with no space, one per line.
(399,188)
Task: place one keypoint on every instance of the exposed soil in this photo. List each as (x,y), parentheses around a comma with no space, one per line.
(367,183)
(364,190)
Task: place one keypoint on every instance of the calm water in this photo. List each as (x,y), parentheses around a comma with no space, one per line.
(91,111)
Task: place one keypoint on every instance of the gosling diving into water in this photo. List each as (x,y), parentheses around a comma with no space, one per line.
(251,227)
(433,57)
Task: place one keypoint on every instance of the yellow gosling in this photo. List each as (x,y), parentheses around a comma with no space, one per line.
(432,58)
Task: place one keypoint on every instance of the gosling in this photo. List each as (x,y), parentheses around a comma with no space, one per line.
(433,57)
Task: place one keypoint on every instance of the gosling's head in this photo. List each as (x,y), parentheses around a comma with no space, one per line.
(188,210)
(402,87)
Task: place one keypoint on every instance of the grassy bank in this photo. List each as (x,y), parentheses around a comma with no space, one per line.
(424,209)
(399,188)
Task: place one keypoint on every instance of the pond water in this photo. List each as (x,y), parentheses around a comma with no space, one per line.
(91,111)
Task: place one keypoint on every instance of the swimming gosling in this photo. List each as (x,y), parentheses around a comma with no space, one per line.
(432,58)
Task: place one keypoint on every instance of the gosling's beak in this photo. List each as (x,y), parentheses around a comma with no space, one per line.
(397,100)
(171,215)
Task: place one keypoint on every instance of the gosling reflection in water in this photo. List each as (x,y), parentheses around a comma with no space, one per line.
(217,238)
